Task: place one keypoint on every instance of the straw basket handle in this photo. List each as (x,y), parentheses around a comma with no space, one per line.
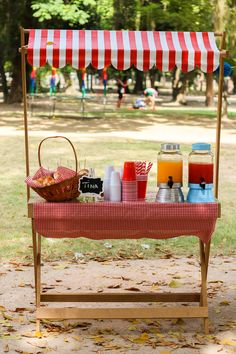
(55,137)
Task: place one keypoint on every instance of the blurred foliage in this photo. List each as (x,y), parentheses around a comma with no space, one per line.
(73,13)
(185,15)
(230,27)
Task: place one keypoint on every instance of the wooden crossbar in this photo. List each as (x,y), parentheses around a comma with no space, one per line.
(120,313)
(121,297)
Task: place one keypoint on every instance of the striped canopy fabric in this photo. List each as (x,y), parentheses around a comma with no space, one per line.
(123,49)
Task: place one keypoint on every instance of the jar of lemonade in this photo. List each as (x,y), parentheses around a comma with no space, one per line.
(200,165)
(170,165)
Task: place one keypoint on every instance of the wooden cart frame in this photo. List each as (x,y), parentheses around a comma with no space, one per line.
(200,311)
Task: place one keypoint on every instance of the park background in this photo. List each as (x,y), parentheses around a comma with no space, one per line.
(103,134)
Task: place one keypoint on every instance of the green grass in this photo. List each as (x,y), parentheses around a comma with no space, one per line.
(15,230)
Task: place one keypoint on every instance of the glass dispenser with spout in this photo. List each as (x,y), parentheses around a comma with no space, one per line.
(170,174)
(200,174)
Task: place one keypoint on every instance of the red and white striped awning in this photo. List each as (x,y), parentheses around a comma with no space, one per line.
(122,49)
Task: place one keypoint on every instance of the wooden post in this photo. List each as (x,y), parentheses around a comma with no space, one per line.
(24,91)
(203,301)
(34,241)
(218,131)
(205,249)
(38,279)
(219,114)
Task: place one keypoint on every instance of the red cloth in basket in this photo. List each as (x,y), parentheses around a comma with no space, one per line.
(64,172)
(104,220)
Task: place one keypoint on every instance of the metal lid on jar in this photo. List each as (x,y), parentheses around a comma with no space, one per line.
(201,146)
(170,146)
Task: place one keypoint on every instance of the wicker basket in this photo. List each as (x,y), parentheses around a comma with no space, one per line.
(64,190)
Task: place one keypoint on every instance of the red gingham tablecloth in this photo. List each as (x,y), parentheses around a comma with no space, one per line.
(104,220)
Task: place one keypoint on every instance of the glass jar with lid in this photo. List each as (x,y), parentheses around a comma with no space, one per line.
(200,165)
(170,165)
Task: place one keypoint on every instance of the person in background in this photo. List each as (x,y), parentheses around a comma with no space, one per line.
(121,86)
(150,97)
(53,89)
(33,81)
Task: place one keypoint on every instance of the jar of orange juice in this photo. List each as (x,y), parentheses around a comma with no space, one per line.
(170,165)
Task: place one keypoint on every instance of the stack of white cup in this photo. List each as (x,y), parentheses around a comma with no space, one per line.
(115,187)
(112,185)
(106,183)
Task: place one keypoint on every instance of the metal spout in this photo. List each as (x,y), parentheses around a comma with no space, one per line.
(202,183)
(170,181)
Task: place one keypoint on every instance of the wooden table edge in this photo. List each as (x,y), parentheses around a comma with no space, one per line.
(40,200)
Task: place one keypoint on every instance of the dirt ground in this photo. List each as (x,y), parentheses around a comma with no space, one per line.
(17,333)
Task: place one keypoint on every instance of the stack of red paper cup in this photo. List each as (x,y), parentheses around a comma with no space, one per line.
(129,182)
(142,170)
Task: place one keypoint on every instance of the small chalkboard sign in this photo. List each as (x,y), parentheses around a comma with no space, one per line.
(90,185)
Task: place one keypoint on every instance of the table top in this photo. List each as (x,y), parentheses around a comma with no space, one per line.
(36,199)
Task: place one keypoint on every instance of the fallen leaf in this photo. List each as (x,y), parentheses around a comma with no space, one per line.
(21,309)
(21,284)
(132,289)
(112,346)
(7,317)
(115,286)
(144,337)
(132,328)
(2,308)
(60,266)
(175,284)
(28,335)
(165,352)
(178,321)
(78,338)
(98,339)
(224,303)
(38,334)
(154,287)
(228,341)
(215,281)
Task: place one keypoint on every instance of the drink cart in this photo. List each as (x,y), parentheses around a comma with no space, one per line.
(122,49)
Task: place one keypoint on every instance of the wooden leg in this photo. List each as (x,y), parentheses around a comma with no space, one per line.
(203,301)
(34,241)
(38,280)
(207,253)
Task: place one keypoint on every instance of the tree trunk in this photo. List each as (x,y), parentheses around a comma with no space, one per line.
(175,83)
(219,18)
(15,94)
(4,82)
(152,76)
(209,102)
(138,88)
